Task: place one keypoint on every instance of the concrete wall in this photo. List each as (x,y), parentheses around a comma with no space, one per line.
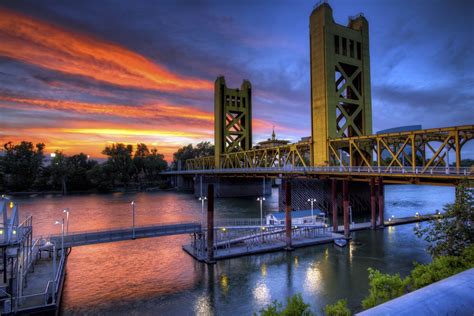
(232,186)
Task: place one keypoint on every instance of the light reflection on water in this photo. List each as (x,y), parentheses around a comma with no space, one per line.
(154,276)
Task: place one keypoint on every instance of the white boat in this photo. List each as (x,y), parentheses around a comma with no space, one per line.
(341,242)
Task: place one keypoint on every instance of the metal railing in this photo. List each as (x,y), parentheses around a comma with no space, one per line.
(382,170)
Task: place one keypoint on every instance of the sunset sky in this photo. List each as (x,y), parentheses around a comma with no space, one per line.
(78,75)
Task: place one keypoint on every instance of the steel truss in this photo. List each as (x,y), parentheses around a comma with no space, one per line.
(419,150)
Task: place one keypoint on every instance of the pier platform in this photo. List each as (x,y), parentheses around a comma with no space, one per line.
(243,249)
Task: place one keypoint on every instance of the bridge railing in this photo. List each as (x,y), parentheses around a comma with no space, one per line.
(383,170)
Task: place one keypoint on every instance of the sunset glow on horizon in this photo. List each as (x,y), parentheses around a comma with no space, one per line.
(82,75)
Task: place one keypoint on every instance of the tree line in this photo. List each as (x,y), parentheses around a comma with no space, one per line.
(23,168)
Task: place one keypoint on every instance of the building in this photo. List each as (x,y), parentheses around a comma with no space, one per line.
(297,217)
(272,142)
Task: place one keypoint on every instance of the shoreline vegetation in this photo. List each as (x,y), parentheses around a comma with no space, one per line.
(26,169)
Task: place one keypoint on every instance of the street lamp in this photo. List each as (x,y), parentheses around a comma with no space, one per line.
(62,234)
(133,219)
(312,200)
(202,199)
(261,199)
(66,210)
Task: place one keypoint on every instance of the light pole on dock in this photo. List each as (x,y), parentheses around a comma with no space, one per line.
(66,210)
(62,234)
(312,200)
(133,219)
(261,199)
(202,199)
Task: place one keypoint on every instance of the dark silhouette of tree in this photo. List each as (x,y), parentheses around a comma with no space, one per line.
(59,171)
(120,161)
(203,149)
(22,164)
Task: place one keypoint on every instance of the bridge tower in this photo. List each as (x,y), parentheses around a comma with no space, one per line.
(232,118)
(340,80)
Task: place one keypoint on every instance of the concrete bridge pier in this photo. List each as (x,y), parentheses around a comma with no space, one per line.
(288,228)
(381,202)
(373,208)
(334,204)
(210,224)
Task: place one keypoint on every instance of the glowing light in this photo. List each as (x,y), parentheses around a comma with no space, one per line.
(11,204)
(14,232)
(1,231)
(53,155)
(223,229)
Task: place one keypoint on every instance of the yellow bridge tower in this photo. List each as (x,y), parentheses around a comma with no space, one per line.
(340,81)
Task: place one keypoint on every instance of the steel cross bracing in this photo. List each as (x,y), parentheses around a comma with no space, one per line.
(384,154)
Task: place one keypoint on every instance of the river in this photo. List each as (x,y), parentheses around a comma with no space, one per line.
(155,277)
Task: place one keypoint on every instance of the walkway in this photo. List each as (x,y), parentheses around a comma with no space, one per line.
(102,236)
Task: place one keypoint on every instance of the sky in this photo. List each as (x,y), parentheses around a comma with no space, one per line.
(80,75)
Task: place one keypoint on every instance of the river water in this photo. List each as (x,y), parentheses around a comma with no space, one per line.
(155,277)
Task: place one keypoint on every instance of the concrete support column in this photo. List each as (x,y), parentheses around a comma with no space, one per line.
(381,202)
(345,198)
(373,205)
(334,203)
(288,214)
(210,223)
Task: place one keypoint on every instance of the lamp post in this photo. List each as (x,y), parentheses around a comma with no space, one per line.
(261,199)
(62,234)
(66,210)
(133,219)
(312,200)
(202,199)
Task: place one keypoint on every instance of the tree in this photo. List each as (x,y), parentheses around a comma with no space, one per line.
(203,149)
(120,160)
(78,166)
(154,164)
(451,234)
(59,171)
(384,287)
(295,307)
(338,309)
(22,163)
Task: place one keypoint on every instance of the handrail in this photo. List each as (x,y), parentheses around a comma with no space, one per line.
(382,170)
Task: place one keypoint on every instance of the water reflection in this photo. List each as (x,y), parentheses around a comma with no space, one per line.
(262,294)
(312,282)
(154,276)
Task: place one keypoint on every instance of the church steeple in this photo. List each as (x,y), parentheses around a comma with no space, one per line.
(273,134)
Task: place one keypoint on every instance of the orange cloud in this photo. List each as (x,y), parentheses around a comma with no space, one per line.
(50,46)
(152,110)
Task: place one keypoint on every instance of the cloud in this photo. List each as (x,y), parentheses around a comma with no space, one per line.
(52,47)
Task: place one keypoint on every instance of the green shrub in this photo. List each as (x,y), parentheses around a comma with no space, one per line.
(338,309)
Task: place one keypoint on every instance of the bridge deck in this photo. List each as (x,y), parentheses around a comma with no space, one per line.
(432,175)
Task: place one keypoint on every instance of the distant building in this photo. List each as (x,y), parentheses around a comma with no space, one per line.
(400,129)
(272,142)
(297,217)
